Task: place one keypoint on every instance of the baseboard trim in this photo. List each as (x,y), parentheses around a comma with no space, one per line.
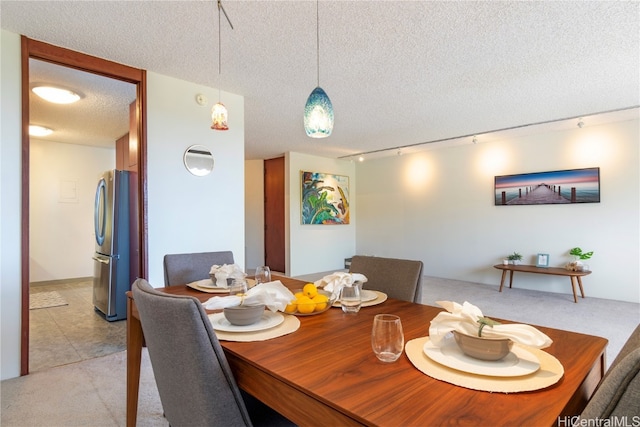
(60,281)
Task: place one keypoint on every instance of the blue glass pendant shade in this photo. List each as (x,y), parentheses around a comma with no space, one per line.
(318,114)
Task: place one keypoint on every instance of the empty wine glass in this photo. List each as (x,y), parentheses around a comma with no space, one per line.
(238,286)
(387,338)
(263,275)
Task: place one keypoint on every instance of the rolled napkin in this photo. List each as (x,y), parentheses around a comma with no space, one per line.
(467,318)
(336,281)
(274,295)
(224,272)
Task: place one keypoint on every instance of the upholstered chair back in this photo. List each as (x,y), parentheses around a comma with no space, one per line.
(180,269)
(398,278)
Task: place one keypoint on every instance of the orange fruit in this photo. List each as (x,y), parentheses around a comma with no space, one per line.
(306,305)
(310,290)
(321,302)
(299,294)
(291,307)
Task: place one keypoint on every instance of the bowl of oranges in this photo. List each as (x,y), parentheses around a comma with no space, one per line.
(310,300)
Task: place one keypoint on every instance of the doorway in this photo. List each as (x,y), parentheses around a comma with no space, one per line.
(32,49)
(274,215)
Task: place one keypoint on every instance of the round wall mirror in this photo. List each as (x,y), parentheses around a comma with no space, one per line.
(198,160)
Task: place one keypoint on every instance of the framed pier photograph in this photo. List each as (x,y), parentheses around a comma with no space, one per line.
(548,188)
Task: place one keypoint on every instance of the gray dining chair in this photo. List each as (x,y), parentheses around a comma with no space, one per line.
(398,278)
(194,380)
(618,394)
(180,269)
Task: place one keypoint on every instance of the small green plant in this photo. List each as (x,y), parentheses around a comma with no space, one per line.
(578,254)
(514,257)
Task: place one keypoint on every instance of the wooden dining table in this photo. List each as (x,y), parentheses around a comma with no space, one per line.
(326,373)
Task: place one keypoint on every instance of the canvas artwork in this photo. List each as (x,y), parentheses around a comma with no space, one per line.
(325,198)
(555,187)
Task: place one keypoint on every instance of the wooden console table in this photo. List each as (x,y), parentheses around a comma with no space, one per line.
(574,276)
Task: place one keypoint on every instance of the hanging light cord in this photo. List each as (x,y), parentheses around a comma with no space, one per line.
(317,42)
(220,7)
(219,42)
(225,14)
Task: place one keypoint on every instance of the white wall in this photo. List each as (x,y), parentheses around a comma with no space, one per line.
(254,213)
(10,177)
(57,219)
(316,248)
(187,213)
(437,206)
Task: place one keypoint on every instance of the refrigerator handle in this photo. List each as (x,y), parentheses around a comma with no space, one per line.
(99,212)
(104,261)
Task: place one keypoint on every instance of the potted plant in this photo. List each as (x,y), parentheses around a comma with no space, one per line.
(578,257)
(515,258)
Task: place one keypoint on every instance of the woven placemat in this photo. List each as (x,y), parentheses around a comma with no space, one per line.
(46,300)
(289,325)
(550,372)
(380,298)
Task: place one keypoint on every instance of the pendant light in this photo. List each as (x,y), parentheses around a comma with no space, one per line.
(318,112)
(219,111)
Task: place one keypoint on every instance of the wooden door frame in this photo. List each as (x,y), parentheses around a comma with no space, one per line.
(91,64)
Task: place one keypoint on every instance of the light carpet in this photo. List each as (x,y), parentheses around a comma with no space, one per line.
(46,300)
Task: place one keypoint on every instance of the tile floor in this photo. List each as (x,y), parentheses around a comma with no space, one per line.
(71,333)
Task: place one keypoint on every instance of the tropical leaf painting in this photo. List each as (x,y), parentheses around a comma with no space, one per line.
(325,198)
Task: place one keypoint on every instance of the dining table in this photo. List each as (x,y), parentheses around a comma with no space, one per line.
(325,373)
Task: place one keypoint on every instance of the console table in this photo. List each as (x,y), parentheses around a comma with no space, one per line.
(574,276)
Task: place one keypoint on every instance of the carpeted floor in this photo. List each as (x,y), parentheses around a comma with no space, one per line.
(92,392)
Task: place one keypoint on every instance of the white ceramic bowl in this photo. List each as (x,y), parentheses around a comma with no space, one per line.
(483,348)
(243,315)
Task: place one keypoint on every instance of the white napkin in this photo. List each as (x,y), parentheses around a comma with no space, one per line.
(274,295)
(336,281)
(225,271)
(464,318)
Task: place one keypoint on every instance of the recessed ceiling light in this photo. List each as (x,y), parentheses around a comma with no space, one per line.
(35,130)
(56,95)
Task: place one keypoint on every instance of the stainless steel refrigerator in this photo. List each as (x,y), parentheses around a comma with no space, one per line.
(111,279)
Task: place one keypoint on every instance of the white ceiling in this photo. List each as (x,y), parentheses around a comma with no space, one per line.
(398,72)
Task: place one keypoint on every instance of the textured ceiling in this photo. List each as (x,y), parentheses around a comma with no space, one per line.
(397,72)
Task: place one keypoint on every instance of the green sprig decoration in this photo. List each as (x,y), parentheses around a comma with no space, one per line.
(485,321)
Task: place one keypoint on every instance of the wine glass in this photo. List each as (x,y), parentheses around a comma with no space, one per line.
(263,274)
(387,338)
